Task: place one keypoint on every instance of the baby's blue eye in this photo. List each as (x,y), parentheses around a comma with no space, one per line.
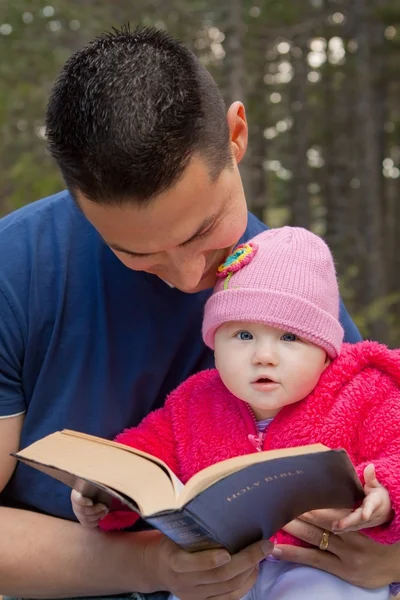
(289,337)
(244,335)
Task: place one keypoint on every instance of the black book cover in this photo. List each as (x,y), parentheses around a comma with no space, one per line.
(231,504)
(255,502)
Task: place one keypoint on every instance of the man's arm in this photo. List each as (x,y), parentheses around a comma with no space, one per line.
(41,556)
(46,557)
(51,558)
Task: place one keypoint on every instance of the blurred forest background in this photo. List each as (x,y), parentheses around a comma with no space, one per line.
(320,81)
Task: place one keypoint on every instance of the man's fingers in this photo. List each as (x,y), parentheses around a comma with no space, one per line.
(326,561)
(232,591)
(225,586)
(219,565)
(181,561)
(312,535)
(304,531)
(325,517)
(251,556)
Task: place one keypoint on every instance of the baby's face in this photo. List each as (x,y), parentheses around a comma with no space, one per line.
(266,367)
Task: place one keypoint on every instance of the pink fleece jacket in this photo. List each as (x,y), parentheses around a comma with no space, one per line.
(356,406)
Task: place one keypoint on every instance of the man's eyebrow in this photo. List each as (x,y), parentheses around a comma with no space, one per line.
(205,225)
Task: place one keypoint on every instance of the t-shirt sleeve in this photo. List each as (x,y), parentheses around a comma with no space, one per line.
(351,333)
(12,401)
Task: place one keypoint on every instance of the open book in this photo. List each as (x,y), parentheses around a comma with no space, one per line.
(231,504)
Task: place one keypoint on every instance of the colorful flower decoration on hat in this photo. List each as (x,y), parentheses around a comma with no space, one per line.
(242,255)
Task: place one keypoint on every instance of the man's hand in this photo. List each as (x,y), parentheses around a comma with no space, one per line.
(375,510)
(204,574)
(353,557)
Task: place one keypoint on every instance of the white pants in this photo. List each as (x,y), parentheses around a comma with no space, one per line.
(280,580)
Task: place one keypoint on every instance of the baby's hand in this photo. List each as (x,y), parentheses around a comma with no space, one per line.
(375,510)
(87,513)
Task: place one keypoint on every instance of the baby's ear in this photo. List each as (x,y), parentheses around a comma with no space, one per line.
(327,361)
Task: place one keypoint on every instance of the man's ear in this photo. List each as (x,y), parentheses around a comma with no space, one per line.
(238,130)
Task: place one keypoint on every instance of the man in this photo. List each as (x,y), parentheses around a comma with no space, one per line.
(102,290)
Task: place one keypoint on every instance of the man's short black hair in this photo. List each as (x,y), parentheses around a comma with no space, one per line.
(129,111)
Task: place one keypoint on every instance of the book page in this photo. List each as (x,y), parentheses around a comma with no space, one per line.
(176,483)
(112,465)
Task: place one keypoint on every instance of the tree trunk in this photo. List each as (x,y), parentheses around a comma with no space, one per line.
(234,71)
(300,138)
(340,193)
(370,169)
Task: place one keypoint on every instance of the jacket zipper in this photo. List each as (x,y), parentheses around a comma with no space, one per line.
(257,441)
(257,438)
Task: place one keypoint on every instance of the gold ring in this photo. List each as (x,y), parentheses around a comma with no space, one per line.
(324,543)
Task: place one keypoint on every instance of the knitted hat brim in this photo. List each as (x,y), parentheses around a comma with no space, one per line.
(276,309)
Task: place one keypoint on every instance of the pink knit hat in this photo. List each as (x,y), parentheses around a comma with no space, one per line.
(284,278)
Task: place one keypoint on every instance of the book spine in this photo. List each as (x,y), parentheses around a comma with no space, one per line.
(184,530)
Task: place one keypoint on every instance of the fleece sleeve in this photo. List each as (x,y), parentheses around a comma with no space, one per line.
(379,442)
(154,435)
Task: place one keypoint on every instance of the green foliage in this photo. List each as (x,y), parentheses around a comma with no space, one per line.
(381,309)
(36,37)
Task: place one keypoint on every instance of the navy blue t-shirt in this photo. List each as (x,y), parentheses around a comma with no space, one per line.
(85,342)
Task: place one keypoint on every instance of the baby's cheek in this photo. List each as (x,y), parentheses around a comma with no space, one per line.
(303,385)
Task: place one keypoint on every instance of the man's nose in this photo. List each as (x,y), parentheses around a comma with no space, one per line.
(186,274)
